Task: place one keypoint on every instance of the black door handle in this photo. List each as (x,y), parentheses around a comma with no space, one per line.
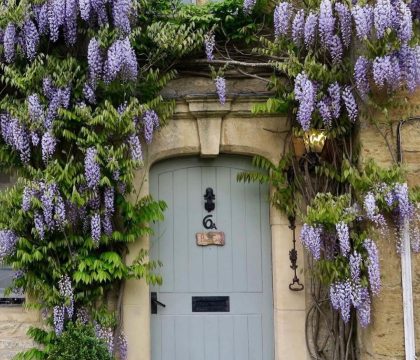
(154,302)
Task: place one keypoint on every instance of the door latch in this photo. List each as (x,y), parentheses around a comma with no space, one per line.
(154,302)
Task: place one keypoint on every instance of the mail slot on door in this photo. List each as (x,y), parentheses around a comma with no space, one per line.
(210,304)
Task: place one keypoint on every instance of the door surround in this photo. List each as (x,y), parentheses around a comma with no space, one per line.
(202,127)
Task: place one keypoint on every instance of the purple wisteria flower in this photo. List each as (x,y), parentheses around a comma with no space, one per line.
(107,335)
(220,83)
(344,16)
(95,228)
(305,94)
(92,168)
(362,21)
(9,42)
(350,103)
(334,92)
(56,17)
(82,315)
(36,110)
(27,195)
(415,9)
(356,294)
(60,212)
(52,110)
(135,148)
(85,9)
(409,66)
(363,310)
(355,261)
(405,207)
(42,19)
(389,198)
(382,17)
(58,314)
(311,239)
(48,145)
(64,96)
(123,346)
(66,291)
(373,266)
(325,112)
(282,15)
(298,27)
(120,13)
(394,78)
(326,21)
(99,8)
(415,239)
(39,225)
(121,60)
(310,29)
(405,21)
(70,25)
(343,237)
(47,200)
(209,44)
(95,61)
(361,69)
(18,138)
(150,122)
(48,88)
(340,296)
(8,240)
(381,70)
(369,205)
(248,5)
(109,195)
(336,49)
(34,138)
(31,39)
(107,224)
(89,94)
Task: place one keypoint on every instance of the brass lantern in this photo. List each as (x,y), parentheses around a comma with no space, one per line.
(314,140)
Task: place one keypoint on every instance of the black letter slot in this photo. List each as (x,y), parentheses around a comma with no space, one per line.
(210,304)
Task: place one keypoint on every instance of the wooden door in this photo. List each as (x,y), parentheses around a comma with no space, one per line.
(230,285)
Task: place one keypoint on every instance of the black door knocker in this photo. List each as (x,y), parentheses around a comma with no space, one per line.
(209,196)
(209,205)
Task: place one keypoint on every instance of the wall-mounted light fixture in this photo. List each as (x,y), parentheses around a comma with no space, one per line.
(314,140)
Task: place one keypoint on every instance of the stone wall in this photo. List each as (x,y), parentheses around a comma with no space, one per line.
(14,323)
(384,339)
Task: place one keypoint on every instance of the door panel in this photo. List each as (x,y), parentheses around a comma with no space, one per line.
(241,269)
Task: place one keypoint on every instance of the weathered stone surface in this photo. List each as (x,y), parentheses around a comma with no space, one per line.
(14,324)
(384,340)
(203,86)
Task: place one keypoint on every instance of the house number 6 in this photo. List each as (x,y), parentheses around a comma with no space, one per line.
(208,222)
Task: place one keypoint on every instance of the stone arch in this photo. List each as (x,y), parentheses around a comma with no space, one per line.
(202,127)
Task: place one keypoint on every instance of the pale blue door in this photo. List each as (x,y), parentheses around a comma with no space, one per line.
(219,303)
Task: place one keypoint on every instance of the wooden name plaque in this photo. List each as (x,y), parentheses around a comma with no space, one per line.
(210,238)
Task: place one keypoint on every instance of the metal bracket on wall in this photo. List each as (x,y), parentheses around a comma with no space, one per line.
(295,285)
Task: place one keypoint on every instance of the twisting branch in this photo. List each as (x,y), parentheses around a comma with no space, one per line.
(233,63)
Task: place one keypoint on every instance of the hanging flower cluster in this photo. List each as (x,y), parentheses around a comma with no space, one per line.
(209,44)
(8,240)
(72,124)
(220,83)
(331,27)
(330,235)
(336,243)
(66,310)
(60,16)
